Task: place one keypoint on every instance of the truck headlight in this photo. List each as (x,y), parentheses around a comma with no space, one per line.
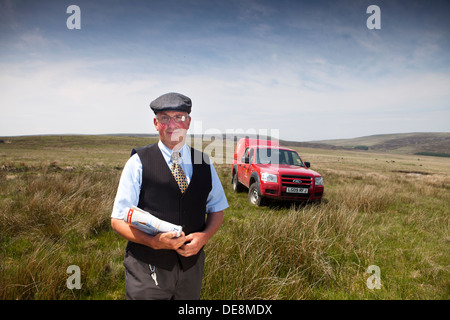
(318,181)
(267,177)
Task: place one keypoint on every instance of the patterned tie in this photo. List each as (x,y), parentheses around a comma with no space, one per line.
(178,173)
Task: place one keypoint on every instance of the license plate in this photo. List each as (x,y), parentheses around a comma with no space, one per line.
(296,190)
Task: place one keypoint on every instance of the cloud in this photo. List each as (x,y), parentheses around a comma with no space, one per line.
(68,97)
(309,70)
(93,96)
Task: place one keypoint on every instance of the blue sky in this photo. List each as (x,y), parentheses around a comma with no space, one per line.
(310,69)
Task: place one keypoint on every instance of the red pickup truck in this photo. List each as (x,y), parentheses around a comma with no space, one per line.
(271,171)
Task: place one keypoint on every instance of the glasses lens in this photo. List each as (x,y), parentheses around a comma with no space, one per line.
(166,119)
(179,119)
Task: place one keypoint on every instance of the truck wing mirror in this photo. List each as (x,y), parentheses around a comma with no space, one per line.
(307,164)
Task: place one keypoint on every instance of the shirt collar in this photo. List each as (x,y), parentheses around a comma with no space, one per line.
(167,153)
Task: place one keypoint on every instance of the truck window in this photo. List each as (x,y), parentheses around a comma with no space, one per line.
(284,158)
(245,154)
(276,156)
(249,152)
(296,161)
(250,155)
(266,156)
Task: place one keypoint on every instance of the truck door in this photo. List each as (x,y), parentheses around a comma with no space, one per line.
(241,166)
(246,165)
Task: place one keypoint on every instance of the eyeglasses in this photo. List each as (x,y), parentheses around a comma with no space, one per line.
(164,119)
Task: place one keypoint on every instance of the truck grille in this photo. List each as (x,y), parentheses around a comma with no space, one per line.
(300,181)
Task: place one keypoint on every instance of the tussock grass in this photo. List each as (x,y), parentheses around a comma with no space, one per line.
(56,197)
(281,256)
(50,220)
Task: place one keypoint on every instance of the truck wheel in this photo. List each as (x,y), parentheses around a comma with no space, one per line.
(237,186)
(254,195)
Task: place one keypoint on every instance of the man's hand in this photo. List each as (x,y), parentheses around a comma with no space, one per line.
(185,245)
(167,240)
(194,242)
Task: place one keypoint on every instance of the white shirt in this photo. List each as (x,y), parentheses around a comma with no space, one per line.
(131,181)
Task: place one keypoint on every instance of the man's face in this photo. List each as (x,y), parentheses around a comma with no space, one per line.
(171,132)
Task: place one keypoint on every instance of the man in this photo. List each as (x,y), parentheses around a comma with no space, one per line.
(164,266)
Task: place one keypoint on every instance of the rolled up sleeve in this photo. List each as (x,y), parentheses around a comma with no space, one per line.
(129,187)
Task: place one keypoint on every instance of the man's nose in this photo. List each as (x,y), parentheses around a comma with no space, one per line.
(172,123)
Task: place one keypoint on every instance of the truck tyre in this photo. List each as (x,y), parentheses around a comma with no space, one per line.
(254,195)
(237,186)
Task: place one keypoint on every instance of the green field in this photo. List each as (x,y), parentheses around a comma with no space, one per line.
(387,210)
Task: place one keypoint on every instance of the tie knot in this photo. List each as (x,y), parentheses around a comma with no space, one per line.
(175,157)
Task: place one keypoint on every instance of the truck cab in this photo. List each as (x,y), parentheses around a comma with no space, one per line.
(271,171)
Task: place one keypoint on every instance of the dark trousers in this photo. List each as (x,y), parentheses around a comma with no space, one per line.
(176,284)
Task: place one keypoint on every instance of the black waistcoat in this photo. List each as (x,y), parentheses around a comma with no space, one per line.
(161,196)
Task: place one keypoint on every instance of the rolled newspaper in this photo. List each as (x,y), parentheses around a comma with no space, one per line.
(148,223)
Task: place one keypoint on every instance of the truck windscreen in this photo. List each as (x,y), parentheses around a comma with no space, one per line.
(277,156)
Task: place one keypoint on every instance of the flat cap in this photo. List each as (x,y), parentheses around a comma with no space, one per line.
(171,102)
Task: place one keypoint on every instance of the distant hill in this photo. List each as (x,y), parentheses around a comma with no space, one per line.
(432,144)
(436,143)
(425,143)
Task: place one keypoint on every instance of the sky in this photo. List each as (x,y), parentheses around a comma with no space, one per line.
(302,70)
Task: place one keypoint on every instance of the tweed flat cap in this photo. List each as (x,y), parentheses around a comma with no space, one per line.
(171,102)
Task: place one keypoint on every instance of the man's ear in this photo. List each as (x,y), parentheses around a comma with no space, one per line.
(189,122)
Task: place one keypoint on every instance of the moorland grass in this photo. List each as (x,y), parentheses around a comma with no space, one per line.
(56,196)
